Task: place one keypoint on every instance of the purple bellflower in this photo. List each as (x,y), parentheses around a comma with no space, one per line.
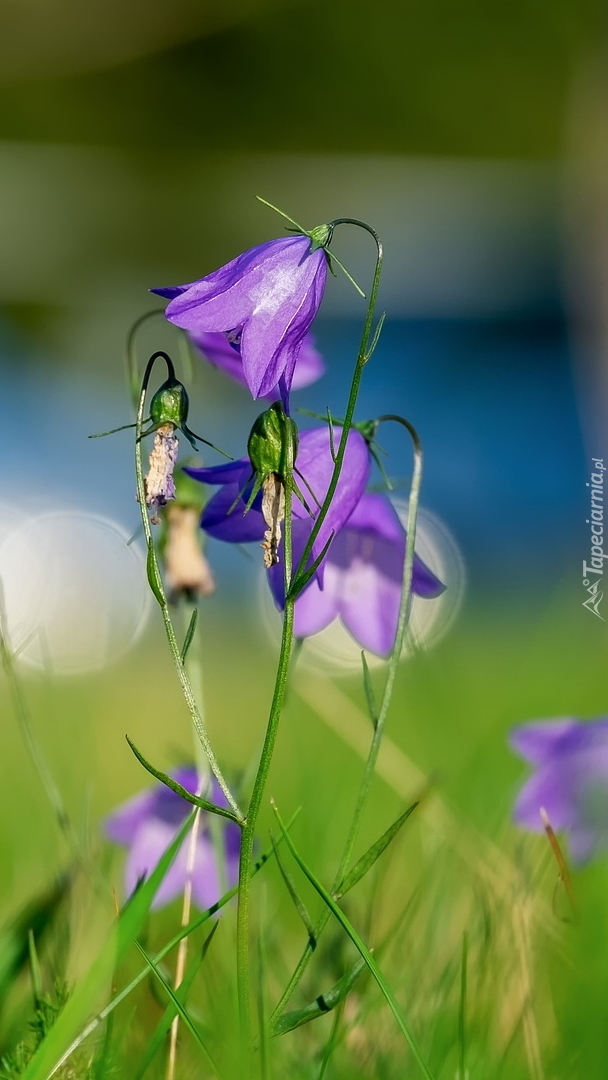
(264,300)
(360,579)
(570,782)
(217,349)
(147,824)
(223,516)
(363,579)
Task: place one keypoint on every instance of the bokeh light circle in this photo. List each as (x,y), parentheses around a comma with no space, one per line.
(75,594)
(334,650)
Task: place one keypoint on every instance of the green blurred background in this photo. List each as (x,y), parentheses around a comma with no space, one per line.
(133,139)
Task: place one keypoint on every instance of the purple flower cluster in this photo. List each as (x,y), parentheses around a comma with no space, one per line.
(147,824)
(251,318)
(360,579)
(570,781)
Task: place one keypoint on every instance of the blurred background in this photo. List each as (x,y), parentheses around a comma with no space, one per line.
(474,137)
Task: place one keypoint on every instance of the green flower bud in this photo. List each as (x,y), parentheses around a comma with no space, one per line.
(273,443)
(170,404)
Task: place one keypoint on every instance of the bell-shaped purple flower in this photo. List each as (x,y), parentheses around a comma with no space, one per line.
(570,781)
(360,579)
(363,578)
(147,824)
(265,300)
(217,349)
(223,515)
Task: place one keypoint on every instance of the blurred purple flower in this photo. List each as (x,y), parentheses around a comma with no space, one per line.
(265,300)
(226,521)
(221,354)
(147,824)
(570,782)
(361,576)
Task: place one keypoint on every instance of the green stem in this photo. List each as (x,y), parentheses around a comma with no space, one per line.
(248,833)
(159,592)
(370,765)
(360,363)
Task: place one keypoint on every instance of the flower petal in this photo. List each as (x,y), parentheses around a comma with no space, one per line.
(539,740)
(370,571)
(123,824)
(315,462)
(234,472)
(223,517)
(151,841)
(552,788)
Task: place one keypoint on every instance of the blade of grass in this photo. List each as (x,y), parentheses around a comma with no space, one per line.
(365,863)
(362,949)
(182,991)
(162,953)
(57,1045)
(322,1004)
(179,1008)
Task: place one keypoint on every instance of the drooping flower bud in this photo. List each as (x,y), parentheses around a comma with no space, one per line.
(168,413)
(170,404)
(272,447)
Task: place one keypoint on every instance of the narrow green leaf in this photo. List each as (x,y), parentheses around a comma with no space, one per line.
(302,579)
(299,904)
(367,860)
(369,692)
(57,1044)
(195,800)
(181,992)
(362,949)
(179,1008)
(324,1003)
(189,634)
(375,339)
(154,578)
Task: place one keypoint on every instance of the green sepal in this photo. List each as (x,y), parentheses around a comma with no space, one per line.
(324,1003)
(320,236)
(153,573)
(373,853)
(169,782)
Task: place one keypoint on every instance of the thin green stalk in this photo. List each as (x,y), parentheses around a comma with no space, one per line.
(159,593)
(248,833)
(402,621)
(362,358)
